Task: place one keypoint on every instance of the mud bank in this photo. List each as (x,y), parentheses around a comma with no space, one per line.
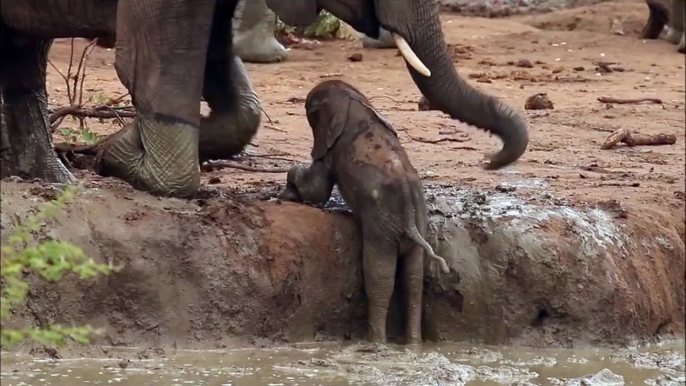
(208,272)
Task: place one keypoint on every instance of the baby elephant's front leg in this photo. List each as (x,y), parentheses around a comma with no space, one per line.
(311,184)
(290,192)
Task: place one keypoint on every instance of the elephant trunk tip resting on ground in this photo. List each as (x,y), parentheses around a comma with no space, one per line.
(358,150)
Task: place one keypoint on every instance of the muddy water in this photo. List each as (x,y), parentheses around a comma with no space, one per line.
(359,364)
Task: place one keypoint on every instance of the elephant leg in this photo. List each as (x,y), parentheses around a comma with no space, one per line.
(26,147)
(378,266)
(254,33)
(676,22)
(672,35)
(385,40)
(236,113)
(658,17)
(413,276)
(161,51)
(679,23)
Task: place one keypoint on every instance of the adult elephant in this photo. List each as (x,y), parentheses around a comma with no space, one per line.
(254,39)
(171,53)
(27,29)
(667,20)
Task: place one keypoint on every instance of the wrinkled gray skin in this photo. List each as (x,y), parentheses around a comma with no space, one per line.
(27,32)
(254,39)
(667,21)
(675,31)
(172,53)
(385,40)
(358,150)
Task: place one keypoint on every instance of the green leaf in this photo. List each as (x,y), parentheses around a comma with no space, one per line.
(50,259)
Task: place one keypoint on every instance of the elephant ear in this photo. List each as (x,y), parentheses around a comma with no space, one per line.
(378,115)
(296,13)
(329,127)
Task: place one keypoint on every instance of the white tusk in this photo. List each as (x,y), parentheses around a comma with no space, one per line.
(410,56)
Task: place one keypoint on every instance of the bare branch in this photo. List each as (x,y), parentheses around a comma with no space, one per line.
(438,140)
(619,101)
(212,165)
(103,112)
(267,115)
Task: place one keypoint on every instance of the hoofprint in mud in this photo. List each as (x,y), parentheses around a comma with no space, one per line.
(205,273)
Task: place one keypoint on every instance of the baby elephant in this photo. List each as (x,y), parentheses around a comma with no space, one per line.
(358,149)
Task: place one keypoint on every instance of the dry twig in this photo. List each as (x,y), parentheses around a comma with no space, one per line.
(438,140)
(275,156)
(636,139)
(74,84)
(213,165)
(272,127)
(620,184)
(619,101)
(267,115)
(103,112)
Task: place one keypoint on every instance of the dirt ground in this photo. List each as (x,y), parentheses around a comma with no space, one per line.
(565,142)
(273,271)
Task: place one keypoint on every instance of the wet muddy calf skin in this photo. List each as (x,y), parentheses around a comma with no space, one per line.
(357,149)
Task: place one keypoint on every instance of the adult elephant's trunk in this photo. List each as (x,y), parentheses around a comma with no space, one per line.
(450,93)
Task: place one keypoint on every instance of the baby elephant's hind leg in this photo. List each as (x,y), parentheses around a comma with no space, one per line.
(413,276)
(379,263)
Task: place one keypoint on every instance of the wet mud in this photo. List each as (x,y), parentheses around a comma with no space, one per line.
(235,268)
(310,364)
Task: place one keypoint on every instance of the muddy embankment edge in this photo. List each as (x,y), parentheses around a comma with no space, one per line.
(204,273)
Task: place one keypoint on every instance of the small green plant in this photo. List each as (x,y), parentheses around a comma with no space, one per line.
(98,99)
(51,260)
(85,134)
(327,26)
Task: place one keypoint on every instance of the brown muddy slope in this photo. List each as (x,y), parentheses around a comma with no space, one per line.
(215,271)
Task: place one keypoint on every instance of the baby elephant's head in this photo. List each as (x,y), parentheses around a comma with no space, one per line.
(327,107)
(327,97)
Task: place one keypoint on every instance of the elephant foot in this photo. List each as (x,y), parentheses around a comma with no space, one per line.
(235,111)
(657,20)
(681,48)
(258,45)
(673,35)
(158,157)
(223,136)
(385,40)
(26,148)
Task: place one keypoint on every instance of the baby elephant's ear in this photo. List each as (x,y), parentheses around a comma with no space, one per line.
(381,119)
(325,138)
(330,126)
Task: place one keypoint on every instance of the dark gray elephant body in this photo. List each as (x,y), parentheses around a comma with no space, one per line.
(28,30)
(667,20)
(172,53)
(358,150)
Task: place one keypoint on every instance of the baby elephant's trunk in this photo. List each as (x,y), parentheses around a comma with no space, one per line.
(411,227)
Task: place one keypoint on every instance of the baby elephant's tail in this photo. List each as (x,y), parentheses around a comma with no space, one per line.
(411,227)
